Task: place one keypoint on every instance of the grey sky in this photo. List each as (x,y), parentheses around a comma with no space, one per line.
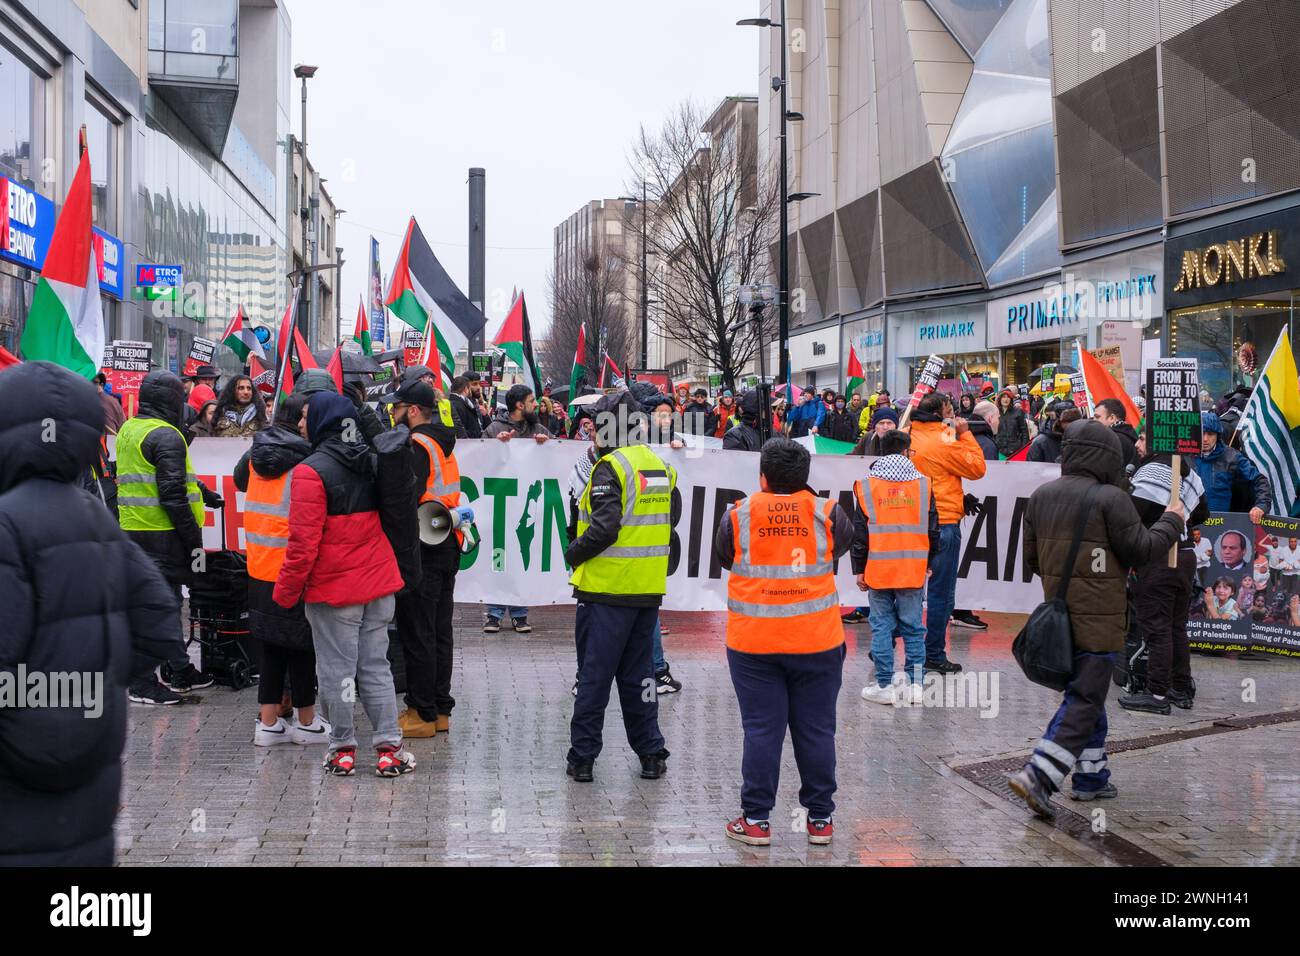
(546,97)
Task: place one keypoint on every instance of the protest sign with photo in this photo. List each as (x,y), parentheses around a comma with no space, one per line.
(1246,594)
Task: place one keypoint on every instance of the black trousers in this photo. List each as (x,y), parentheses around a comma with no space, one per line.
(299,665)
(615,644)
(424,627)
(1164,596)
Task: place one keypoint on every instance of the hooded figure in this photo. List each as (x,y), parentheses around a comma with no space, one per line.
(98,606)
(745,436)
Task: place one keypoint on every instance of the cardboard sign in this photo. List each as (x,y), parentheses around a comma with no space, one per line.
(1174,407)
(1111,358)
(1079,390)
(131,363)
(201,352)
(1048,385)
(928,380)
(412,343)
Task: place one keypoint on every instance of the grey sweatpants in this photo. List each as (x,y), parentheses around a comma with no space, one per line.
(351,663)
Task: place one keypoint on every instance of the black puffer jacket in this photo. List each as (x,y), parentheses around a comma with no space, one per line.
(275,451)
(1114,539)
(162,396)
(77,596)
(984,435)
(1013,430)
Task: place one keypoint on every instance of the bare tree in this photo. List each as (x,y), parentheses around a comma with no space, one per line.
(713,223)
(590,294)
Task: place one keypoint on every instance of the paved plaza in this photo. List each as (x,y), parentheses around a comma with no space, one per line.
(917,786)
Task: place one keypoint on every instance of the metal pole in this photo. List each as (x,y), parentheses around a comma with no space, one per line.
(338,290)
(645,286)
(477,246)
(783,327)
(303,210)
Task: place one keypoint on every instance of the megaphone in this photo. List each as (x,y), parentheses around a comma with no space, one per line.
(436,523)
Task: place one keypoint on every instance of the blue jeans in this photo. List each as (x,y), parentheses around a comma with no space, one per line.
(894,612)
(941,592)
(498,611)
(776,691)
(661,665)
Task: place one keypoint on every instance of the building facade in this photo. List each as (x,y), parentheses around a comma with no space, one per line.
(186,108)
(1002,182)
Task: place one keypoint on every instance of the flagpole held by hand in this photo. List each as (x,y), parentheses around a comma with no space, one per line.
(1175,485)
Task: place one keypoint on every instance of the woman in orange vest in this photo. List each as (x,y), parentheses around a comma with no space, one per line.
(285,634)
(896,532)
(785,642)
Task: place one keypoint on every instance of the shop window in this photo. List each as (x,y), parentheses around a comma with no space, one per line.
(22,119)
(1230,340)
(102,145)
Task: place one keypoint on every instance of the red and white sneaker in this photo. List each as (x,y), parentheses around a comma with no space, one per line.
(393,762)
(820,832)
(753,834)
(341,762)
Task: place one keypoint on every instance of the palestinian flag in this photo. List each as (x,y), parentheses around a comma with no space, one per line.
(285,343)
(65,324)
(616,379)
(241,340)
(579,366)
(263,378)
(420,293)
(516,340)
(361,331)
(856,378)
(335,369)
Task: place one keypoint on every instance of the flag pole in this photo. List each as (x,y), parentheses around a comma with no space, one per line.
(288,346)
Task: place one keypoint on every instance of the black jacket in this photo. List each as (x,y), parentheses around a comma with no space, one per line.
(1047,446)
(162,396)
(742,437)
(1128,437)
(841,426)
(522,428)
(77,596)
(276,450)
(696,416)
(465,412)
(446,439)
(984,435)
(1013,430)
(606,522)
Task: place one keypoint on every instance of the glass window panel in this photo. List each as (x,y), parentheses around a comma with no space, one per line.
(1205,334)
(200,26)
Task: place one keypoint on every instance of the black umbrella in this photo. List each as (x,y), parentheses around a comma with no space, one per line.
(357,363)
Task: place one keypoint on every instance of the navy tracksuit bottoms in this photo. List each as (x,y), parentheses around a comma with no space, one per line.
(776,691)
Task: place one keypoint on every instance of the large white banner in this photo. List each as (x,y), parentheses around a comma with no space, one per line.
(519,493)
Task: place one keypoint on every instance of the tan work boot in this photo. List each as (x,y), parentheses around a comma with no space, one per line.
(411,724)
(443,723)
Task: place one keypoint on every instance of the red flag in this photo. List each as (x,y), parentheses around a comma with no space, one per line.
(284,347)
(430,356)
(335,368)
(7,358)
(305,358)
(1102,385)
(263,380)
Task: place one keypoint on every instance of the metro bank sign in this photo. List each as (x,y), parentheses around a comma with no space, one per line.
(27,226)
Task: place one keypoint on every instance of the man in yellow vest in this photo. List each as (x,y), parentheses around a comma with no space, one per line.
(896,532)
(620,574)
(424,613)
(160,505)
(785,642)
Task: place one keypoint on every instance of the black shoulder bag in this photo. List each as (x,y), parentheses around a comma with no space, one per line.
(1044,648)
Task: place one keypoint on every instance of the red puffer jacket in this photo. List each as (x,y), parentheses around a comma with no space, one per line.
(337,553)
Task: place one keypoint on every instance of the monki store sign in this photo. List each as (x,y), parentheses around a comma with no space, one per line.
(1256,256)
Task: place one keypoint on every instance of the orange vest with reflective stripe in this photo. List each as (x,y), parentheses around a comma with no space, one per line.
(898,520)
(781,596)
(266,524)
(444,476)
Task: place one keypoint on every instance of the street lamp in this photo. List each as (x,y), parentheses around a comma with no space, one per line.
(645,279)
(304,72)
(783,300)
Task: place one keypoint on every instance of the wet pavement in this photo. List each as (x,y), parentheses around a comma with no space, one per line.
(917,786)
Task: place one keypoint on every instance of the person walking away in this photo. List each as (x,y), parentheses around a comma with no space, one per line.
(620,574)
(785,642)
(287,650)
(891,562)
(1231,480)
(340,563)
(945,454)
(1090,490)
(1164,594)
(1112,413)
(424,613)
(97,606)
(160,507)
(519,420)
(744,436)
(1013,428)
(238,414)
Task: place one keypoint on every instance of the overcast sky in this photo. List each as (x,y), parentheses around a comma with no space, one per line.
(547,97)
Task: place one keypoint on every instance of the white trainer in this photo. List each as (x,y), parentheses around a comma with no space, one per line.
(277,733)
(317,732)
(880,695)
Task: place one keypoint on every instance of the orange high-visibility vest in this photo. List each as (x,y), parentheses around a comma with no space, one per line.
(781,596)
(898,520)
(443,483)
(266,524)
